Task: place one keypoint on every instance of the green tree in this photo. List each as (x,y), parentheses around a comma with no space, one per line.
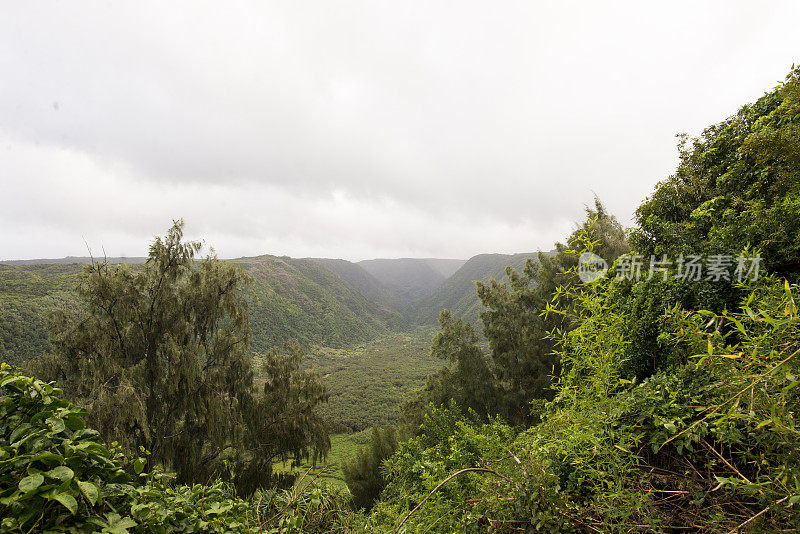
(737,187)
(469,380)
(521,348)
(521,360)
(161,360)
(281,422)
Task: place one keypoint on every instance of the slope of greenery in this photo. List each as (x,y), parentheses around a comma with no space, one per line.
(410,279)
(27,295)
(288,299)
(302,299)
(363,282)
(457,293)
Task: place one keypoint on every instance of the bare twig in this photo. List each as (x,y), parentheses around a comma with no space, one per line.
(712,449)
(737,529)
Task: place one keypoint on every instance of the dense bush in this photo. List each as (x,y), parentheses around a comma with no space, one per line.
(57,475)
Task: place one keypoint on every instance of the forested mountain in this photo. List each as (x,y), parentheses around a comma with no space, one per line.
(317,301)
(363,282)
(304,300)
(410,279)
(27,295)
(457,293)
(299,299)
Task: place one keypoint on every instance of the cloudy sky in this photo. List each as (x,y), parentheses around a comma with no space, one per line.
(357,129)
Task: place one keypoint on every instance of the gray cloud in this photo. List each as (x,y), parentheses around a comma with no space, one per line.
(358,129)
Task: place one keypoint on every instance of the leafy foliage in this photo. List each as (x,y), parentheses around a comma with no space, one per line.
(737,184)
(51,466)
(447,442)
(57,475)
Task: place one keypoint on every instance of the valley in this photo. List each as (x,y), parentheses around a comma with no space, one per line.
(359,329)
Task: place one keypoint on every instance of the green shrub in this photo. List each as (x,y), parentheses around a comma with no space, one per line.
(57,475)
(363,472)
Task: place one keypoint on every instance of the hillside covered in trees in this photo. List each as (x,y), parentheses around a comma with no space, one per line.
(286,299)
(655,395)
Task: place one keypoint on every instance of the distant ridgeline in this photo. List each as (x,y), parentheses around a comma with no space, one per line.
(410,279)
(457,293)
(316,301)
(83,260)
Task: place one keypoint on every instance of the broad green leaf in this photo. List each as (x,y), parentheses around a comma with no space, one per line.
(89,490)
(48,457)
(68,501)
(30,483)
(61,473)
(56,424)
(41,415)
(75,422)
(138,465)
(117,525)
(19,431)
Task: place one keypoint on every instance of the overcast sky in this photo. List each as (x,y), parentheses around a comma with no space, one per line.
(358,129)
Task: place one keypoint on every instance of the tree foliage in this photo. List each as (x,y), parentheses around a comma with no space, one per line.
(58,475)
(521,362)
(161,360)
(736,184)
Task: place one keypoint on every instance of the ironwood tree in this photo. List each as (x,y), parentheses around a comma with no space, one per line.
(161,361)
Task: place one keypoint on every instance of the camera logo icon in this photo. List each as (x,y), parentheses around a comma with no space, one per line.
(591,267)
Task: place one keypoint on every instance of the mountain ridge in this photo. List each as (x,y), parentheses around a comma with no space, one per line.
(458,293)
(410,279)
